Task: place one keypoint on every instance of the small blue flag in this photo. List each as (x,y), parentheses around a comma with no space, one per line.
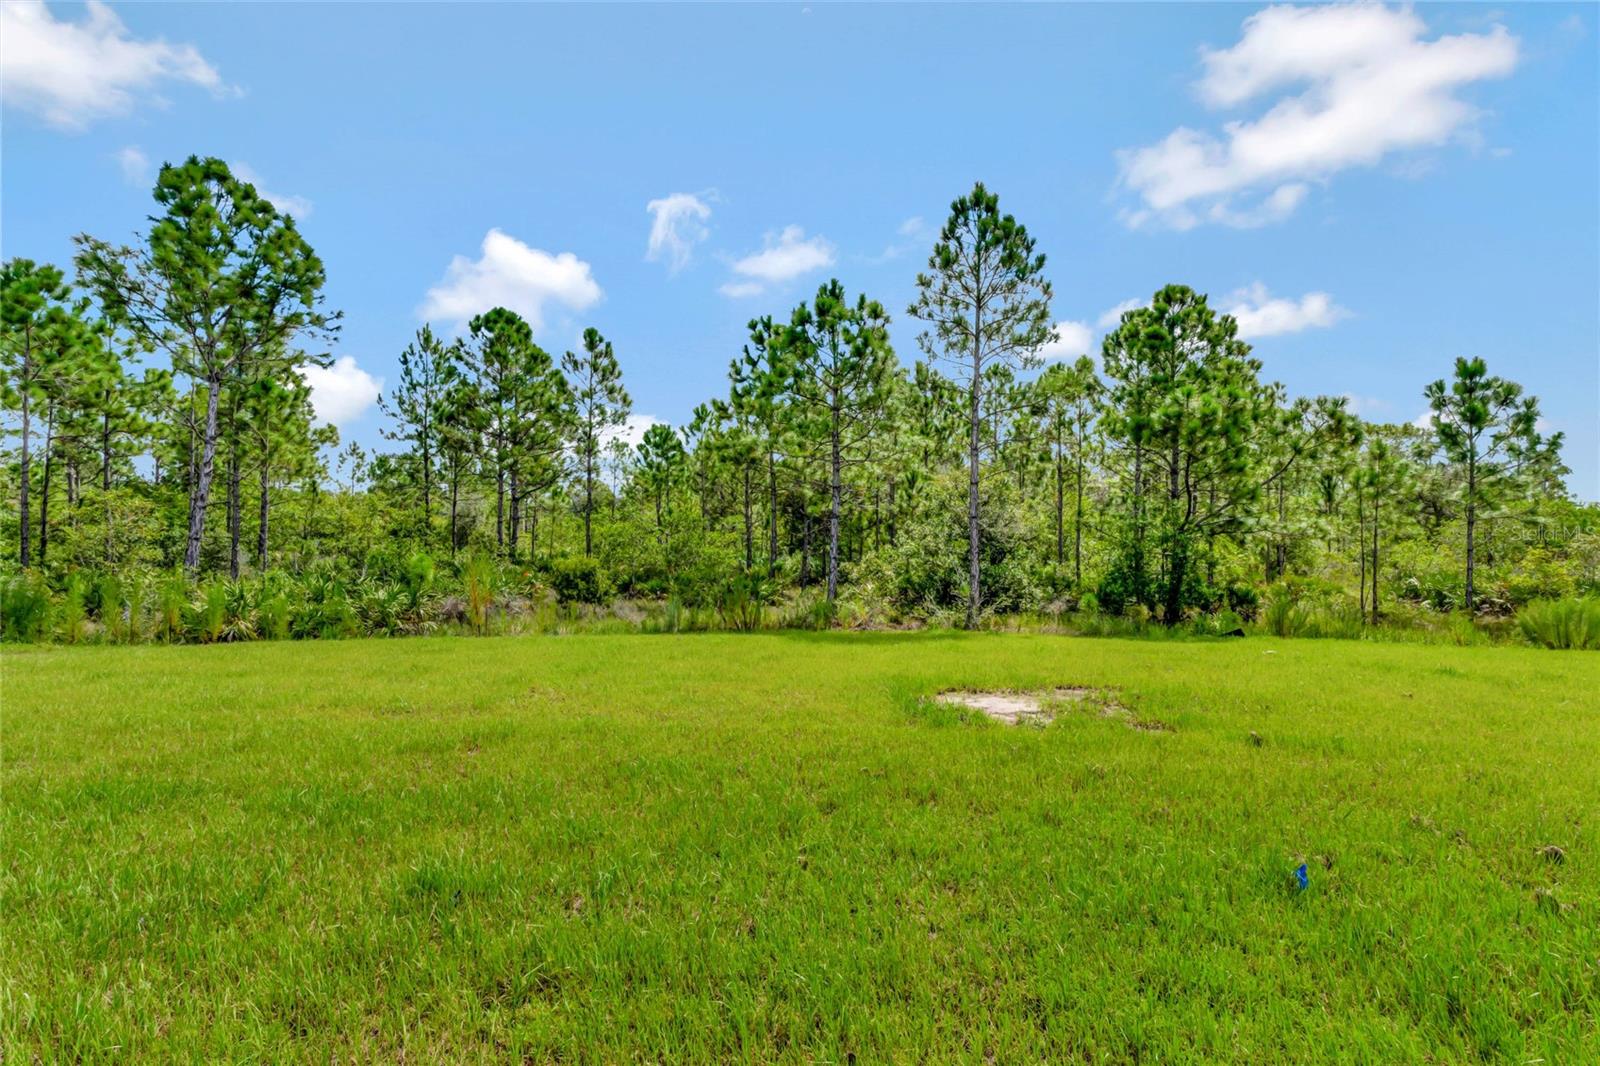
(1300,877)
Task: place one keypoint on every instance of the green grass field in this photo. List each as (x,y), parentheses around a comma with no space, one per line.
(770,848)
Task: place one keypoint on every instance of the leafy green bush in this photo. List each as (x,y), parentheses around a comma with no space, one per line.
(382,608)
(1569,623)
(324,611)
(1538,575)
(418,581)
(1243,600)
(578,579)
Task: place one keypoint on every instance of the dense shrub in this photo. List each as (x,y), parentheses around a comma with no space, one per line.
(1569,623)
(25,609)
(743,600)
(578,579)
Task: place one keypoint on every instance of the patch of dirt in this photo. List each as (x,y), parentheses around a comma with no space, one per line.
(1013,708)
(1040,706)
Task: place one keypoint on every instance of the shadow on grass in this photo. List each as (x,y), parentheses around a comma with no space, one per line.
(874,636)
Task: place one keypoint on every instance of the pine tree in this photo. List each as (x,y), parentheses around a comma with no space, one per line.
(427,370)
(1478,419)
(224,279)
(601,407)
(986,300)
(841,363)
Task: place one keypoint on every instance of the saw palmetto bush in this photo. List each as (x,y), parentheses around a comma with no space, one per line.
(1568,623)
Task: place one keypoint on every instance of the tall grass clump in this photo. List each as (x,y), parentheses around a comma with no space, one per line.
(172,602)
(1283,617)
(75,610)
(25,609)
(742,601)
(1569,623)
(481,581)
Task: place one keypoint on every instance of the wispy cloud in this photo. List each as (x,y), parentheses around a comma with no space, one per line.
(678,223)
(1111,317)
(134,164)
(910,233)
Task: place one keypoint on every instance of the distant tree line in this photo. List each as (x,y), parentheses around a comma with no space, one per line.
(1166,479)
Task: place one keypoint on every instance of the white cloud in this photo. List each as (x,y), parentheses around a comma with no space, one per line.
(298,206)
(678,225)
(1424,421)
(135,165)
(912,227)
(341,393)
(1370,86)
(1260,314)
(71,73)
(784,256)
(512,275)
(630,432)
(1111,317)
(1071,340)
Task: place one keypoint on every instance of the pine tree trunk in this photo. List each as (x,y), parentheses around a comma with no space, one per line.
(44,489)
(105,476)
(200,495)
(516,518)
(749,526)
(1177,570)
(261,516)
(805,545)
(1138,523)
(1061,505)
(1472,522)
(1375,559)
(499,505)
(1361,549)
(235,509)
(772,514)
(835,494)
(455,481)
(588,502)
(1281,548)
(427,491)
(974,590)
(1077,519)
(22,487)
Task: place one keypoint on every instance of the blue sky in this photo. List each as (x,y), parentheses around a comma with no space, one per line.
(1374,190)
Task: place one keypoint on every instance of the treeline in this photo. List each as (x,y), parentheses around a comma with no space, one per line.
(1166,481)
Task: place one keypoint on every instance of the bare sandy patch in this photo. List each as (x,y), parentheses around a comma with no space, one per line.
(1014,708)
(1040,706)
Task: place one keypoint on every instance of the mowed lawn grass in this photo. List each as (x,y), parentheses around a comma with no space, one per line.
(771,848)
